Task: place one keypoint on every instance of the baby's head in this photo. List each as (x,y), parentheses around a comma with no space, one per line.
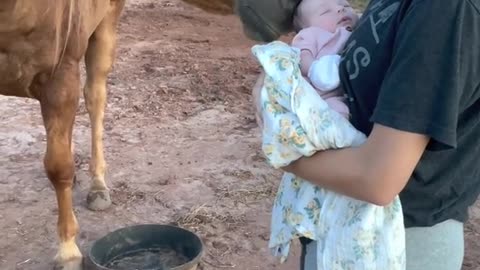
(326,14)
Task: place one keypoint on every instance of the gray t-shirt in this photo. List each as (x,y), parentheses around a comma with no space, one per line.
(414,65)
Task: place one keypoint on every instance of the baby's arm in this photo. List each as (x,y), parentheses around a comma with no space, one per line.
(305,42)
(306,60)
(324,73)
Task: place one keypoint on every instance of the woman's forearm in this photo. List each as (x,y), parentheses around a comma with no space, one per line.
(344,171)
(374,172)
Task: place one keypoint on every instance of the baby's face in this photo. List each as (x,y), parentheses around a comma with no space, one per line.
(329,14)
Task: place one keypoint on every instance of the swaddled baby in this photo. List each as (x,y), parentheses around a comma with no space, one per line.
(323,27)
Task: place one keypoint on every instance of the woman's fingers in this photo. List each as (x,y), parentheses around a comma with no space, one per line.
(256,99)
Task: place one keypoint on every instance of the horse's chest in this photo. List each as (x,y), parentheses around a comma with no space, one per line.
(21,60)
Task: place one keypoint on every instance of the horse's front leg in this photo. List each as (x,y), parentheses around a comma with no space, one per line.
(59,101)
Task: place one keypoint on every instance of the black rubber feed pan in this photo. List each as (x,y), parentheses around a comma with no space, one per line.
(146,247)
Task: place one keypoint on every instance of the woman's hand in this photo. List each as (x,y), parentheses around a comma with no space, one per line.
(257,106)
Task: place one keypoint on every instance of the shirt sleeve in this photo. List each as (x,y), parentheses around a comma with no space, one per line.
(304,40)
(433,60)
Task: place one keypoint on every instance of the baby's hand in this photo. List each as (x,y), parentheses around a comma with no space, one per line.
(324,74)
(306,60)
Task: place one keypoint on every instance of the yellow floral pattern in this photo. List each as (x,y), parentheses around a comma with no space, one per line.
(297,122)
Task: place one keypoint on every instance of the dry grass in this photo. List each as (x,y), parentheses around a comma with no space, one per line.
(204,215)
(213,214)
(263,190)
(201,217)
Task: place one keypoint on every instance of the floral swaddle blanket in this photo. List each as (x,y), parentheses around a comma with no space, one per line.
(350,234)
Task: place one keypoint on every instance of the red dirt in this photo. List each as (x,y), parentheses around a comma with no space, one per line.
(181,144)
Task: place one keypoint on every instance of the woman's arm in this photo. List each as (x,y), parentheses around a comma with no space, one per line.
(374,172)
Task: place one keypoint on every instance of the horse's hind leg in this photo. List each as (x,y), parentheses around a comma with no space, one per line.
(59,101)
(99,60)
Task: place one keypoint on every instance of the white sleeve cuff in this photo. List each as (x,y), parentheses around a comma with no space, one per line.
(323,73)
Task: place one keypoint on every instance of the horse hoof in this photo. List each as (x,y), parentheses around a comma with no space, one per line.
(70,265)
(73,263)
(98,200)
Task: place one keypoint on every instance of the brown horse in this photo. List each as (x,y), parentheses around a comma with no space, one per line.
(41,45)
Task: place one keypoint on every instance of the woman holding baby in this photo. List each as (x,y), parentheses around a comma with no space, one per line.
(409,73)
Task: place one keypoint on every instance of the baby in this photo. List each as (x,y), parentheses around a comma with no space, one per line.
(323,27)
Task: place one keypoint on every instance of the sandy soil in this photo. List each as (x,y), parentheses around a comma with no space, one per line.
(181,143)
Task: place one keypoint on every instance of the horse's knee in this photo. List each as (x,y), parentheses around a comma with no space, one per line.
(60,167)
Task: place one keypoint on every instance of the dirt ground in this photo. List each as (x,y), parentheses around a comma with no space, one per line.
(181,144)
